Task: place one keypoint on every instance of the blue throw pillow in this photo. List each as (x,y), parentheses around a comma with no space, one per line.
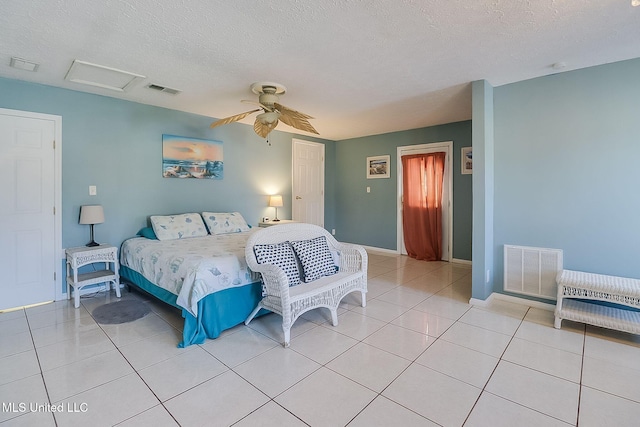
(315,257)
(148,233)
(282,255)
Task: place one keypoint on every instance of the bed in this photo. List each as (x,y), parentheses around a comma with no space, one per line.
(204,275)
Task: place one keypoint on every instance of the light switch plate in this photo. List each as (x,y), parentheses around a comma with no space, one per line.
(93,190)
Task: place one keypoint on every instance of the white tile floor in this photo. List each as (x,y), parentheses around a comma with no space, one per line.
(417,355)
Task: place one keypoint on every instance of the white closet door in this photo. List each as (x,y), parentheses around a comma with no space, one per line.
(27,221)
(308,182)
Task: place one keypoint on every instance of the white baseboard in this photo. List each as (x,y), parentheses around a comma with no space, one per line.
(510,298)
(382,250)
(395,252)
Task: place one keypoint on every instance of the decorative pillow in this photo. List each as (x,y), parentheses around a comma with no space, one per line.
(172,227)
(315,257)
(148,233)
(225,222)
(280,254)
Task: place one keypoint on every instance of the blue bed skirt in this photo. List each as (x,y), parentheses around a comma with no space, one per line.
(216,312)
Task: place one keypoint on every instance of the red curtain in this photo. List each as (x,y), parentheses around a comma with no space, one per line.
(422,205)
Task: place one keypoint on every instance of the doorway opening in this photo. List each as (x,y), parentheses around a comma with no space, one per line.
(447,194)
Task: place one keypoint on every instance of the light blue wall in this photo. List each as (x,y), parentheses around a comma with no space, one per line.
(567,168)
(483,188)
(116,145)
(370,218)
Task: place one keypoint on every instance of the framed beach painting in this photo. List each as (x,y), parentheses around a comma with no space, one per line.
(184,157)
(467,160)
(378,167)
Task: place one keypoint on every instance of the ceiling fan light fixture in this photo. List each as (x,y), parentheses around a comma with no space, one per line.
(268,118)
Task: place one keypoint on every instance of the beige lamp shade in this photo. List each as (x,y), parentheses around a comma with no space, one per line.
(275,201)
(91,214)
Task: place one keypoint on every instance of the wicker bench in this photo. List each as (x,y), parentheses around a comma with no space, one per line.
(576,289)
(291,302)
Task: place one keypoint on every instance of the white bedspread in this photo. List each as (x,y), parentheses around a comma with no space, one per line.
(191,268)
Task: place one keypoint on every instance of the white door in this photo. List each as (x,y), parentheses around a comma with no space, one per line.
(28,198)
(447,194)
(308,182)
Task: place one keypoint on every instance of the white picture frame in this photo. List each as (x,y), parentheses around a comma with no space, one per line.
(466,162)
(378,167)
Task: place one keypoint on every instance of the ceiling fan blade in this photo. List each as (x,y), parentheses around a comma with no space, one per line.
(291,112)
(297,122)
(263,129)
(264,107)
(232,118)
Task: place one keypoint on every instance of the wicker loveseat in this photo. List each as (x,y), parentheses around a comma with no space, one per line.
(349,274)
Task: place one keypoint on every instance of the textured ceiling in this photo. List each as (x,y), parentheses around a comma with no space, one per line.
(361,67)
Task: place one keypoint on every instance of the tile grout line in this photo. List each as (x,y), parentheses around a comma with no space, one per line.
(484,387)
(501,359)
(361,341)
(412,362)
(584,346)
(44,383)
(134,370)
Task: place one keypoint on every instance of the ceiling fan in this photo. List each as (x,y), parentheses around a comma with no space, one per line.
(272,112)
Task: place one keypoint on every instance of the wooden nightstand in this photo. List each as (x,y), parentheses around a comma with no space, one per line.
(270,223)
(84,255)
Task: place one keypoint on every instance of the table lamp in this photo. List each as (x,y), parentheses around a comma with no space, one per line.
(91,214)
(275,202)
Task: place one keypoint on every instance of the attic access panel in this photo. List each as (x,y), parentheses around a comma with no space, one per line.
(101,76)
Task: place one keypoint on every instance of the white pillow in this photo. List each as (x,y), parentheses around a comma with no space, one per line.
(225,222)
(172,227)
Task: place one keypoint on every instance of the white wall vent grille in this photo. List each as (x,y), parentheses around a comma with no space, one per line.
(531,271)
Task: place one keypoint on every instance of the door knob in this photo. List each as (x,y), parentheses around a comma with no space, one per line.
(298,198)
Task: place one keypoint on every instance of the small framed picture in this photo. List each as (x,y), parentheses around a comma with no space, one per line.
(378,167)
(467,160)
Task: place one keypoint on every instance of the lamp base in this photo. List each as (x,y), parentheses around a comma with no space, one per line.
(275,220)
(92,243)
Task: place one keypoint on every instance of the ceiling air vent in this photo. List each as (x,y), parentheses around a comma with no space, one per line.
(163,89)
(23,64)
